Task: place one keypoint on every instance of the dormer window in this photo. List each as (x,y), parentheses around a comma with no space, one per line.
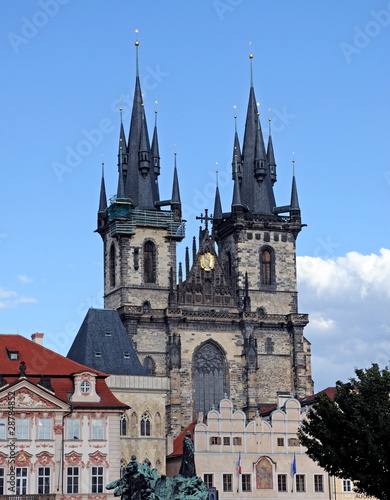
(85,387)
(108,334)
(126,355)
(12,355)
(98,354)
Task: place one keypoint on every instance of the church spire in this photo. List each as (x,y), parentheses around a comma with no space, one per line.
(258,195)
(237,158)
(155,154)
(122,160)
(138,183)
(294,204)
(175,187)
(271,155)
(217,214)
(103,196)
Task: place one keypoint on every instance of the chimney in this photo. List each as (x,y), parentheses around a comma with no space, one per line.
(37,338)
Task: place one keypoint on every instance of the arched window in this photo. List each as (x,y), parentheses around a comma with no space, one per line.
(149,365)
(267,266)
(134,425)
(112,265)
(149,262)
(145,424)
(146,307)
(210,377)
(123,426)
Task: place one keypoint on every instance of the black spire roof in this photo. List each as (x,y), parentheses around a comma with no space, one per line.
(103,196)
(175,187)
(102,343)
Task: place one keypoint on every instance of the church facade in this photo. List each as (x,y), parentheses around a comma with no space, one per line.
(230,327)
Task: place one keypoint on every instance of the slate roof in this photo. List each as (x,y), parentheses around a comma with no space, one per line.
(42,361)
(103,344)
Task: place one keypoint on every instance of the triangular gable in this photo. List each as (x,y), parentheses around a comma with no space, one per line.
(23,395)
(206,284)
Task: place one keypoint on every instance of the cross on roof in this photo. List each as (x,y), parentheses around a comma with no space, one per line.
(205,218)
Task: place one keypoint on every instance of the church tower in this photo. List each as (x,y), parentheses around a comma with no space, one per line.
(140,233)
(230,327)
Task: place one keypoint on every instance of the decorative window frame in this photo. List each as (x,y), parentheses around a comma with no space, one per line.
(88,397)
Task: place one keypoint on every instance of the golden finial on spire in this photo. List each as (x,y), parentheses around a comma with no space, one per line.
(216,173)
(136,43)
(250,55)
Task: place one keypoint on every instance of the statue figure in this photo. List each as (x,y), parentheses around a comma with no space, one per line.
(187,468)
(22,369)
(141,482)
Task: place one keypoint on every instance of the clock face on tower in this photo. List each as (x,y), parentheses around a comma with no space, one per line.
(207,261)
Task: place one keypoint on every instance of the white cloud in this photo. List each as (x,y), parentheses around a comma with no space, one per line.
(24,279)
(10,299)
(348,300)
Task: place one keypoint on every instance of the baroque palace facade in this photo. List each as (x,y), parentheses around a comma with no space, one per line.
(232,327)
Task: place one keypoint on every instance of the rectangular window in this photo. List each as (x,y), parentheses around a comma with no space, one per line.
(208,480)
(293,442)
(21,429)
(300,483)
(73,428)
(97,428)
(226,441)
(44,428)
(21,481)
(97,480)
(280,441)
(347,485)
(72,479)
(3,428)
(237,441)
(215,440)
(227,482)
(282,482)
(43,480)
(1,481)
(246,482)
(318,483)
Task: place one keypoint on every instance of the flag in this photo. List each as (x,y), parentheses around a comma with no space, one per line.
(294,466)
(239,468)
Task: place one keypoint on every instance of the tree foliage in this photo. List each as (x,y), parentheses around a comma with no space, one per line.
(349,436)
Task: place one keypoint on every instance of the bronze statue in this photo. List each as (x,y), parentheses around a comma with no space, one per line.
(140,482)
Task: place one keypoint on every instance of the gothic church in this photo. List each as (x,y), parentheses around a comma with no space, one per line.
(231,328)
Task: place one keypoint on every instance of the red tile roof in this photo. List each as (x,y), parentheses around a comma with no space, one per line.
(42,361)
(39,360)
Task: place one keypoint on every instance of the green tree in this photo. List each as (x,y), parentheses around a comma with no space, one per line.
(349,436)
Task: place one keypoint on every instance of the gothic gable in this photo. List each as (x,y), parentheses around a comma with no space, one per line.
(206,283)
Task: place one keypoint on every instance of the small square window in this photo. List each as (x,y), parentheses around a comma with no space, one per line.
(280,441)
(12,355)
(246,482)
(237,441)
(108,334)
(85,387)
(318,483)
(226,440)
(209,480)
(98,354)
(282,482)
(126,355)
(293,442)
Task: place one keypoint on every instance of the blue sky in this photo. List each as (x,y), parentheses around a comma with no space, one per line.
(321,72)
